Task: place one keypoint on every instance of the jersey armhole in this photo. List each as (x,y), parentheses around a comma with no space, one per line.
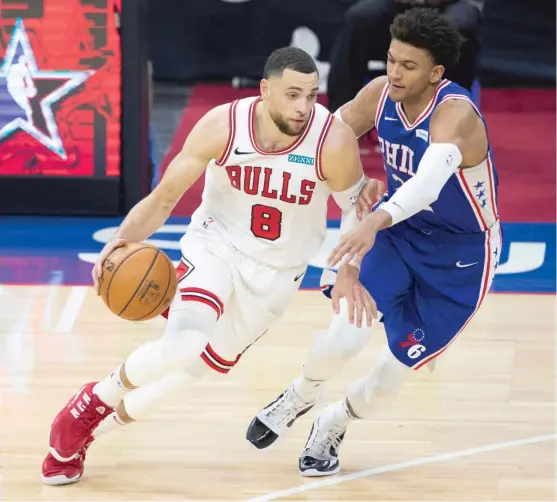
(448,97)
(381,104)
(231,134)
(320,142)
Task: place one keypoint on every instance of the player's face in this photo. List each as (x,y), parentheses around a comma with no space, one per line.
(290,99)
(411,71)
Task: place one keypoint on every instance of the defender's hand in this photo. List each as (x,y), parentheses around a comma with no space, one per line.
(354,244)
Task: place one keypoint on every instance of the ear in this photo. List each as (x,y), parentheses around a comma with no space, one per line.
(264,88)
(437,74)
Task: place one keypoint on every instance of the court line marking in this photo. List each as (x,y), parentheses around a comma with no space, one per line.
(71,309)
(401,465)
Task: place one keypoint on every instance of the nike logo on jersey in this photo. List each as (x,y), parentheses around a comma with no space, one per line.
(238,152)
(392,119)
(298,277)
(464,265)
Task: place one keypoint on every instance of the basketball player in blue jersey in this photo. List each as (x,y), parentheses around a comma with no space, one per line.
(429,248)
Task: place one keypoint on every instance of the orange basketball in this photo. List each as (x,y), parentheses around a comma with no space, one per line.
(138,282)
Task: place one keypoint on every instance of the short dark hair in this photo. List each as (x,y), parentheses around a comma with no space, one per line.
(428,29)
(289,58)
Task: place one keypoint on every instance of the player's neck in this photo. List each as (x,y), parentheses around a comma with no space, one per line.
(413,108)
(267,135)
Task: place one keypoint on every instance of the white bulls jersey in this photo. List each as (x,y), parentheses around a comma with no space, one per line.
(272,206)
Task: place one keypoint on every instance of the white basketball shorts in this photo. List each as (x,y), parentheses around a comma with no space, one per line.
(247,296)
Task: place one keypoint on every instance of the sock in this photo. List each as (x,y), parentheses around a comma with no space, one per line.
(306,389)
(111,390)
(340,414)
(379,387)
(110,423)
(141,402)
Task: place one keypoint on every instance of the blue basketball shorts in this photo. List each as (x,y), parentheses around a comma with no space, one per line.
(428,288)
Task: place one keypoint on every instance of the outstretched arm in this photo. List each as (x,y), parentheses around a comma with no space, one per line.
(458,140)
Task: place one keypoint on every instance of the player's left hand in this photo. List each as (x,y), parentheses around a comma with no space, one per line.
(358,299)
(354,244)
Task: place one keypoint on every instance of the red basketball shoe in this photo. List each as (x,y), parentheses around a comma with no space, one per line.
(57,473)
(73,427)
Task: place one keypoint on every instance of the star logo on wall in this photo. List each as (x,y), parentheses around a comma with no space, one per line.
(28,94)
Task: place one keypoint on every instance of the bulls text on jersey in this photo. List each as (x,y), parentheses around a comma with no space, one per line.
(255,180)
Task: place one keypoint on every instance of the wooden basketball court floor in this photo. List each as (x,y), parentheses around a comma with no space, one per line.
(480,427)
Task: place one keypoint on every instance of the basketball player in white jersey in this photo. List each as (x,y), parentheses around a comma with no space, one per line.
(21,87)
(270,164)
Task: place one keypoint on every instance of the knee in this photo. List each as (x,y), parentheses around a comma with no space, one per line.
(185,337)
(182,351)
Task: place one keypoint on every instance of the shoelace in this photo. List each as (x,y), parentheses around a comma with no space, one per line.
(325,439)
(284,410)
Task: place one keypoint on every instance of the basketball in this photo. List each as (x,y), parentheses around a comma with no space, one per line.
(138,282)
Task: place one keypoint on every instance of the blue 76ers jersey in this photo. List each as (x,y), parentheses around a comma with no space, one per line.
(467,203)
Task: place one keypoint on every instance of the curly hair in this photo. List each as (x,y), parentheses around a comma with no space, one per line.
(427,29)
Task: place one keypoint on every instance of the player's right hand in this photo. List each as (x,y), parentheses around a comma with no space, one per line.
(97,271)
(372,192)
(358,299)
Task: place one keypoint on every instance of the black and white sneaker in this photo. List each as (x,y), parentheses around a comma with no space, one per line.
(273,420)
(320,454)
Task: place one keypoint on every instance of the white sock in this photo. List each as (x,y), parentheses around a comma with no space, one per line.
(306,389)
(111,390)
(380,387)
(110,423)
(339,414)
(141,402)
